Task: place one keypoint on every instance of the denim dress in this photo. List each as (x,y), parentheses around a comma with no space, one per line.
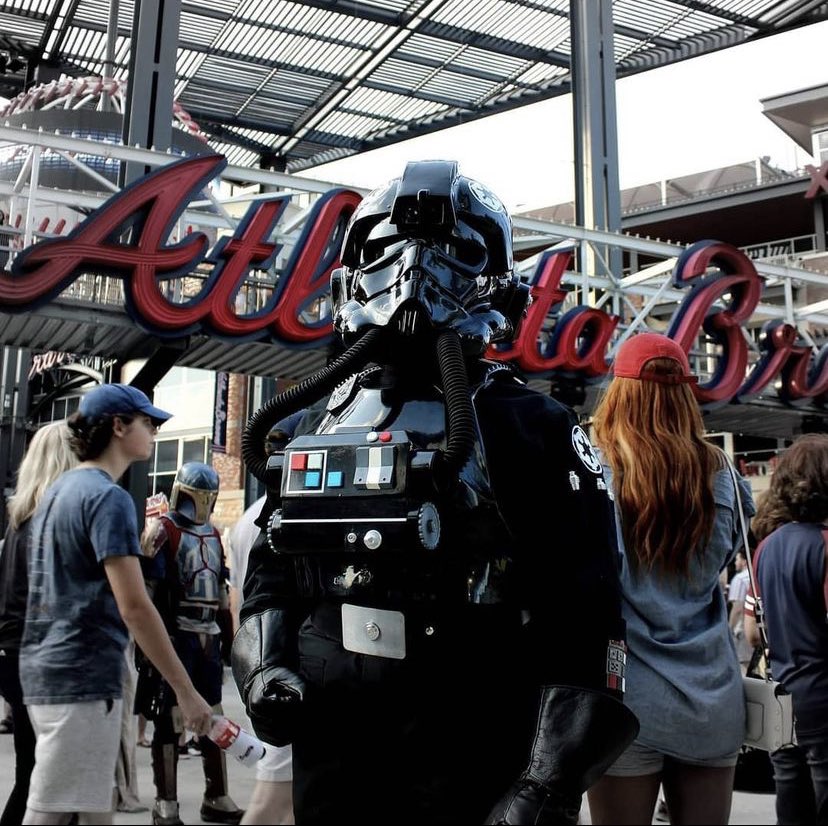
(683,678)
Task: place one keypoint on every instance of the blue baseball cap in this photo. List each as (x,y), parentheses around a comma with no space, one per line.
(120,399)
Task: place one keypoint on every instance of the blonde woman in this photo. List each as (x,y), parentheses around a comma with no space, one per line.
(47,457)
(678,528)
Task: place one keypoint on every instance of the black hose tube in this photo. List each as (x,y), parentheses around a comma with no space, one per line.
(461,419)
(301,395)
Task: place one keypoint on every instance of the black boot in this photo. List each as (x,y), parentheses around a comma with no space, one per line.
(580,734)
(217,806)
(165,777)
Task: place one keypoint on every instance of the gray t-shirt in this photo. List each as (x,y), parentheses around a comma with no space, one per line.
(74,638)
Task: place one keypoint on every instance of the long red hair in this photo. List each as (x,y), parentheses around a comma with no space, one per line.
(652,436)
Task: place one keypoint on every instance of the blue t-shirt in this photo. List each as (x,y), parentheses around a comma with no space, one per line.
(683,678)
(790,572)
(74,638)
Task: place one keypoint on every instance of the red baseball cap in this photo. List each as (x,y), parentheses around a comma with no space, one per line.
(635,352)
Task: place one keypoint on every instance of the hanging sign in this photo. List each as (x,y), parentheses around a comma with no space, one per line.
(723,288)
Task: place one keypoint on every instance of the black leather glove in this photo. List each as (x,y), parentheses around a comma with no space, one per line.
(271,690)
(580,734)
(528,802)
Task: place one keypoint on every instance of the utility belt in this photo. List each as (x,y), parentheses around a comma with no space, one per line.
(411,579)
(198,612)
(408,606)
(412,630)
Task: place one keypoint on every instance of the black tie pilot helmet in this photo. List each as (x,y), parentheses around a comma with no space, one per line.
(194,491)
(427,252)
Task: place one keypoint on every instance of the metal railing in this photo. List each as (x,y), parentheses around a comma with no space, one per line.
(782,250)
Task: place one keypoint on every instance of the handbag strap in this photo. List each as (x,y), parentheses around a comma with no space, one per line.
(758,611)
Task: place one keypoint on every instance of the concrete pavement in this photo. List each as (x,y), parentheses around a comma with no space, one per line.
(747,808)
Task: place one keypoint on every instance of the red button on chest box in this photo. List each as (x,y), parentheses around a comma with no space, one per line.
(298,461)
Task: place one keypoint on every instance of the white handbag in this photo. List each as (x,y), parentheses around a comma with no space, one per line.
(770,716)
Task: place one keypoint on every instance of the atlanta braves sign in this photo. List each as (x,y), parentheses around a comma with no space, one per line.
(723,288)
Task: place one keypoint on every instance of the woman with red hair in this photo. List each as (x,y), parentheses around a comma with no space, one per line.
(678,528)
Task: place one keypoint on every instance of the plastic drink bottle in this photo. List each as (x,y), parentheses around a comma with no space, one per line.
(244,746)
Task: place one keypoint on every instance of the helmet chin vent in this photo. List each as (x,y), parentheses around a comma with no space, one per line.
(409,320)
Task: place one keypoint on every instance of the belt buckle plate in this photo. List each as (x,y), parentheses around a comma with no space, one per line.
(373,631)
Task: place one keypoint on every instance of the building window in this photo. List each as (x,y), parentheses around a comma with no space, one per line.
(821,146)
(57,409)
(168,457)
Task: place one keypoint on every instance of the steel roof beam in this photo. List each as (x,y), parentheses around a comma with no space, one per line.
(490,43)
(219,128)
(466,71)
(362,11)
(793,14)
(261,61)
(204,116)
(67,22)
(626,31)
(720,12)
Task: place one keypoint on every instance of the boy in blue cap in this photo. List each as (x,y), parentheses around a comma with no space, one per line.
(86,596)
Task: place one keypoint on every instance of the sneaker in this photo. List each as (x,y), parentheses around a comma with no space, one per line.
(661,814)
(183,752)
(194,747)
(165,813)
(220,810)
(7,725)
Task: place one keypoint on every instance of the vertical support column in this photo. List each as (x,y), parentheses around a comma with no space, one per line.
(148,123)
(109,60)
(819,223)
(597,195)
(15,363)
(148,115)
(34,183)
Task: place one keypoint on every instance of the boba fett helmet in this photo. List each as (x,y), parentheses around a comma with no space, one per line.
(194,491)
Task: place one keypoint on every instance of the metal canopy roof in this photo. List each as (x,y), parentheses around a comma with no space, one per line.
(303,83)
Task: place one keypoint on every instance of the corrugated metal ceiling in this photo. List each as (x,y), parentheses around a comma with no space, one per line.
(306,82)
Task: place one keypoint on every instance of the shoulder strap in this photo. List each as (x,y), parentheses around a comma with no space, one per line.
(740,513)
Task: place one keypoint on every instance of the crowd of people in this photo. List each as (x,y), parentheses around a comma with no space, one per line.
(790,526)
(597,656)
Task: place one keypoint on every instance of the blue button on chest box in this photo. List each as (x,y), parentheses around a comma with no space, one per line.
(335,479)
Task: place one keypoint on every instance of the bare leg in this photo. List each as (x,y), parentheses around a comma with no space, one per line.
(698,794)
(126,769)
(271,802)
(95,818)
(625,801)
(142,731)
